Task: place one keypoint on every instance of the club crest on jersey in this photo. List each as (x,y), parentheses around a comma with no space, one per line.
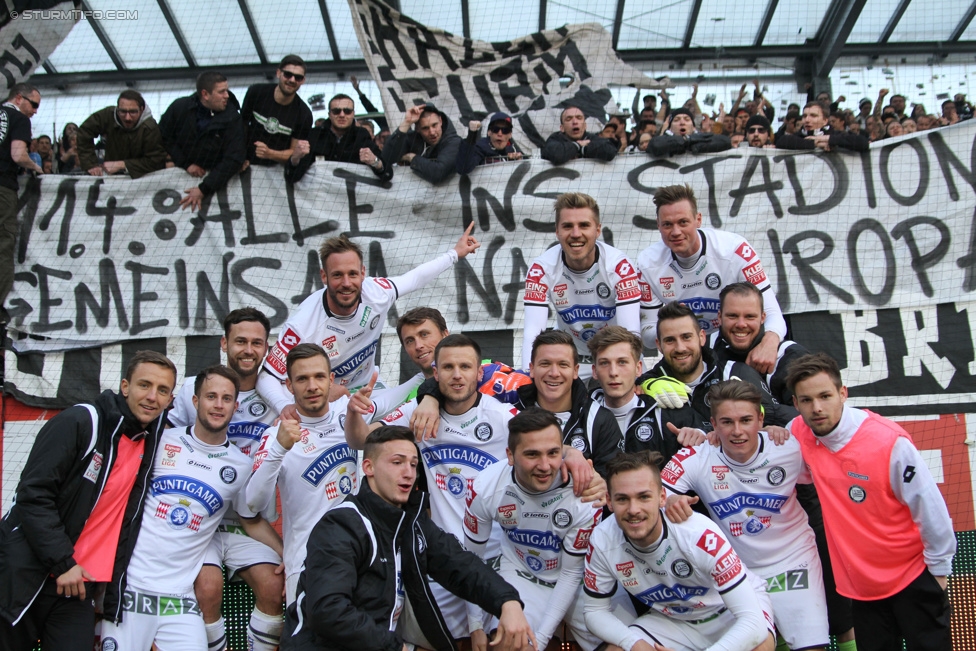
(776,475)
(109,644)
(603,290)
(257,409)
(228,475)
(455,482)
(644,432)
(857,494)
(578,442)
(483,432)
(561,518)
(681,568)
(374,322)
(713,281)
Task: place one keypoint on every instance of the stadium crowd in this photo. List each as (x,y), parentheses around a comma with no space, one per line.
(727,497)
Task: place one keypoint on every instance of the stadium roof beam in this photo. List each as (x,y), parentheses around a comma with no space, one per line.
(809,50)
(692,22)
(894,20)
(833,34)
(465,19)
(330,31)
(964,23)
(354,66)
(249,20)
(177,33)
(106,42)
(542,15)
(766,21)
(618,20)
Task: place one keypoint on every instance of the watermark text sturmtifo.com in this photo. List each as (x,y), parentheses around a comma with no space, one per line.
(76,14)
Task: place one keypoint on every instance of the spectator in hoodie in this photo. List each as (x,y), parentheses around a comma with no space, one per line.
(572,141)
(426,142)
(496,147)
(203,133)
(133,143)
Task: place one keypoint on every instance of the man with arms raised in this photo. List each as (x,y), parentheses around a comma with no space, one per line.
(197,476)
(430,150)
(691,265)
(589,284)
(617,361)
(77,510)
(245,342)
(365,583)
(347,317)
(747,484)
(306,458)
(888,529)
(699,593)
(688,368)
(547,529)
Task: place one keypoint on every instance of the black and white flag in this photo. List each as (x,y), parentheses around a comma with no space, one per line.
(531,78)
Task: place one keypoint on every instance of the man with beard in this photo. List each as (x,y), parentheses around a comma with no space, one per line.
(496,147)
(245,343)
(133,144)
(688,368)
(307,458)
(346,316)
(817,134)
(572,141)
(197,476)
(758,132)
(430,150)
(680,136)
(275,117)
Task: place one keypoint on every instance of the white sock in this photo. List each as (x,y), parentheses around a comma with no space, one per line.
(264,631)
(216,636)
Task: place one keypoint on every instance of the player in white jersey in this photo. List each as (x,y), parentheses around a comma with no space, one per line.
(308,459)
(195,481)
(547,529)
(588,283)
(346,317)
(748,486)
(700,594)
(691,265)
(245,343)
(470,436)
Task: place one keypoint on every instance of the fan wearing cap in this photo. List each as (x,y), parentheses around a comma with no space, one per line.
(572,141)
(496,147)
(680,136)
(758,132)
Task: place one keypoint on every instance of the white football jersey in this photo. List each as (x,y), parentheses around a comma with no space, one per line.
(683,576)
(349,341)
(537,526)
(754,503)
(193,484)
(726,258)
(585,302)
(465,445)
(312,477)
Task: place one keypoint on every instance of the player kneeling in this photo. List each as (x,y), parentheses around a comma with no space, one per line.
(699,593)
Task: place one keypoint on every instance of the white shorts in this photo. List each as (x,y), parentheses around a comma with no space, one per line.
(172,622)
(455,609)
(237,551)
(536,595)
(683,635)
(799,604)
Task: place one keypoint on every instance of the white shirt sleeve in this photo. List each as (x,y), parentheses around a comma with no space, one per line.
(386,400)
(260,488)
(420,276)
(274,391)
(567,587)
(536,318)
(914,486)
(648,326)
(749,629)
(629,317)
(601,621)
(774,314)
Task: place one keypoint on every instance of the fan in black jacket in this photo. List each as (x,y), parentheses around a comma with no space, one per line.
(370,555)
(203,133)
(430,150)
(572,141)
(73,458)
(680,136)
(817,134)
